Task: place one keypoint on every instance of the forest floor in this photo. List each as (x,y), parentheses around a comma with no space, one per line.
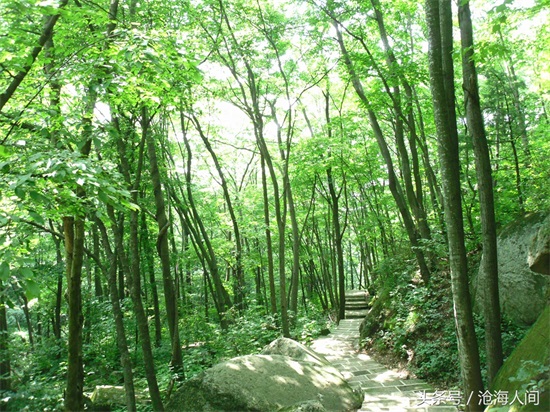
(385,389)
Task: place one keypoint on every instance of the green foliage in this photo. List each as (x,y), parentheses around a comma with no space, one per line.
(39,382)
(206,344)
(172,55)
(417,327)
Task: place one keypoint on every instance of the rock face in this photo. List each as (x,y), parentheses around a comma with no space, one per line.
(539,250)
(268,383)
(522,292)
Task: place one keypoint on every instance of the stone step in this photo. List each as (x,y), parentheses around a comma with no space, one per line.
(356,299)
(384,390)
(356,305)
(356,294)
(356,314)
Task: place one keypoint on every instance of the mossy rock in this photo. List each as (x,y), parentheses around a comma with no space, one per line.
(265,383)
(527,368)
(376,315)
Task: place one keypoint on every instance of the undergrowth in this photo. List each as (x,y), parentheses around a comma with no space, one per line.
(40,380)
(413,326)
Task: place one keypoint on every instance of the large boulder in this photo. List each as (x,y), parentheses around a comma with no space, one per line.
(527,369)
(265,383)
(522,292)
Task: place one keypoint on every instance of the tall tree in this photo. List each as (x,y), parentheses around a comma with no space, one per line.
(338,233)
(439,22)
(395,186)
(122,344)
(239,271)
(163,249)
(489,263)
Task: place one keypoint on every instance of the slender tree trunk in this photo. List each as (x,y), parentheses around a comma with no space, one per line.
(269,243)
(338,245)
(163,248)
(393,66)
(438,13)
(132,265)
(516,159)
(239,288)
(200,234)
(74,400)
(5,356)
(74,230)
(489,263)
(98,288)
(394,185)
(30,328)
(122,344)
(59,290)
(519,115)
(150,262)
(337,231)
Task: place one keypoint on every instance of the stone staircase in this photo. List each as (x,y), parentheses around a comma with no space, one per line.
(384,390)
(356,304)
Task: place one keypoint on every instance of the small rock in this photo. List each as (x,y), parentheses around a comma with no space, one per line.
(105,396)
(294,350)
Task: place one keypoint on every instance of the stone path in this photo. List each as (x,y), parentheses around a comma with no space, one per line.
(384,389)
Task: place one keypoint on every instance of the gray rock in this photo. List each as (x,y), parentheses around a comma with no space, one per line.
(522,292)
(264,383)
(539,250)
(294,350)
(105,396)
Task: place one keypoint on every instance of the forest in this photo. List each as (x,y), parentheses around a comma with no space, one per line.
(182,182)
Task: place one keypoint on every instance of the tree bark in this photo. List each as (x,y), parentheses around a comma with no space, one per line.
(74,399)
(438,13)
(59,289)
(489,263)
(269,243)
(150,262)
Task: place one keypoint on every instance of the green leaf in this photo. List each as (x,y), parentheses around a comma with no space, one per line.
(38,197)
(4,152)
(32,289)
(26,272)
(36,217)
(4,271)
(20,192)
(103,196)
